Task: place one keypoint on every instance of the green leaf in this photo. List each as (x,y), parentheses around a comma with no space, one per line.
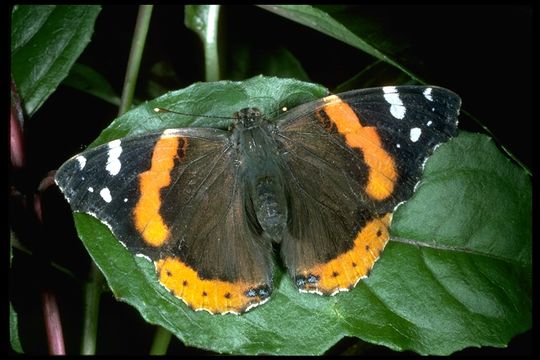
(459,268)
(88,80)
(45,42)
(14,330)
(321,21)
(456,274)
(221,98)
(373,29)
(278,62)
(496,223)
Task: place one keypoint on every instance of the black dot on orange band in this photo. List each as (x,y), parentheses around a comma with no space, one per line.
(184,282)
(353,264)
(168,273)
(204,293)
(335,274)
(227,295)
(367,247)
(379,232)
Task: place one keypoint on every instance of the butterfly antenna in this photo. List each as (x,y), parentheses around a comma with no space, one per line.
(162,110)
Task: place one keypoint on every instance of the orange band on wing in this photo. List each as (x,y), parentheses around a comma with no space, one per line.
(383,173)
(343,272)
(147,218)
(214,296)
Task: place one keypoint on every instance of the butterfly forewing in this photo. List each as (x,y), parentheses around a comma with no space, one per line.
(182,207)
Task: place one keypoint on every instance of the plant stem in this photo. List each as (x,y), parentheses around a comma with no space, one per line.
(162,338)
(210,41)
(16,121)
(92,294)
(51,314)
(53,324)
(135,56)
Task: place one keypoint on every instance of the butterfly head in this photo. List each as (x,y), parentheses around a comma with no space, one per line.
(247,118)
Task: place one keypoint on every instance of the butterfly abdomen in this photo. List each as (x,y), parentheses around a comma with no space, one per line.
(270,206)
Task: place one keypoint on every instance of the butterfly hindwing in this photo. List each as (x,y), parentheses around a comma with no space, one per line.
(156,192)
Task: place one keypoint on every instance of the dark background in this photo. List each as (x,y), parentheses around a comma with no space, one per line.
(483,53)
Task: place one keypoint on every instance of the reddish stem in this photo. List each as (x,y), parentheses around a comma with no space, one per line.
(53,324)
(15,130)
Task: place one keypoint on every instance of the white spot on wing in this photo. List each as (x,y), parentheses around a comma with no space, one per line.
(125,199)
(330,99)
(391,96)
(144,257)
(122,243)
(82,161)
(415,134)
(398,146)
(311,291)
(427,94)
(416,186)
(91,189)
(106,194)
(340,290)
(113,162)
(429,123)
(254,305)
(424,163)
(169,132)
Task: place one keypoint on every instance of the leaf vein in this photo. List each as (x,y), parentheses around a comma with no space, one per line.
(453,248)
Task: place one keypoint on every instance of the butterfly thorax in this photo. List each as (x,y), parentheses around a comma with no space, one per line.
(259,167)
